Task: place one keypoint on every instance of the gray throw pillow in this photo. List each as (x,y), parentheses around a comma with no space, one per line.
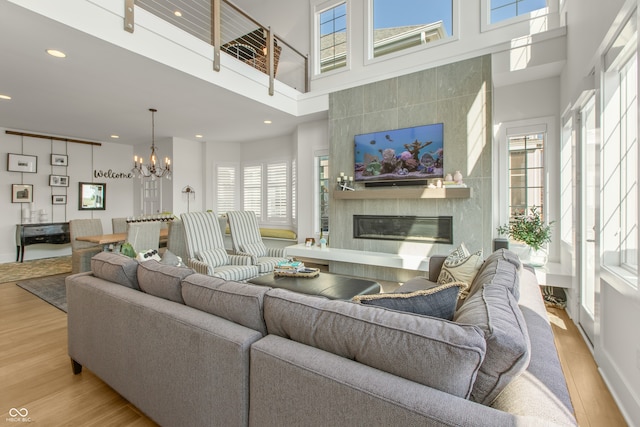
(439,301)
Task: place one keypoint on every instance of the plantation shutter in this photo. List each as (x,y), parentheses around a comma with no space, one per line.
(226,189)
(252,189)
(277,192)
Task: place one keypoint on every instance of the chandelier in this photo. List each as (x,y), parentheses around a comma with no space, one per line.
(152,170)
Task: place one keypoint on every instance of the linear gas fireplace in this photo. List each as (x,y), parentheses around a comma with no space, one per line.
(425,229)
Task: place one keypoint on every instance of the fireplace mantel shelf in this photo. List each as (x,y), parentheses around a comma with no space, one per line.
(405,193)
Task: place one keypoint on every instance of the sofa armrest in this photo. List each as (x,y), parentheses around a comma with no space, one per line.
(275,252)
(241,260)
(199,266)
(435,265)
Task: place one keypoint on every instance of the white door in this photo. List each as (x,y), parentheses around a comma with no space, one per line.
(151,196)
(587,220)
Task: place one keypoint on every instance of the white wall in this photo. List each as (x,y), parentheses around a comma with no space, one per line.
(85,162)
(189,160)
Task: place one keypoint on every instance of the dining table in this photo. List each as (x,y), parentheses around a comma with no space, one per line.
(106,240)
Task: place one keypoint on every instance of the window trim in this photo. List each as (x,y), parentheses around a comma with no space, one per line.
(369,57)
(318,8)
(485,16)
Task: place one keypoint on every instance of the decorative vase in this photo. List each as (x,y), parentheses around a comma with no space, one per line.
(457,177)
(538,258)
(448,177)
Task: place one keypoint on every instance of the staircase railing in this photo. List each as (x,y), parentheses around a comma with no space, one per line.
(232,31)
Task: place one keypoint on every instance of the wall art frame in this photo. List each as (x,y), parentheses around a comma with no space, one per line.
(59,160)
(22,163)
(58,181)
(92,196)
(59,199)
(22,193)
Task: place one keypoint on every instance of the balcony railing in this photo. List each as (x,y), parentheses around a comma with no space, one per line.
(231,31)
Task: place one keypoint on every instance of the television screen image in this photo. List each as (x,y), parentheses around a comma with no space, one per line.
(414,153)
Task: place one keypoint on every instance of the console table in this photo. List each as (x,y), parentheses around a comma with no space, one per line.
(30,234)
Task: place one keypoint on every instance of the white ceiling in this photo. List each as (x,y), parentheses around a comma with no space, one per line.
(100,89)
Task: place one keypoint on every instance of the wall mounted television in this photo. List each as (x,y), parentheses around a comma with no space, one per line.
(405,155)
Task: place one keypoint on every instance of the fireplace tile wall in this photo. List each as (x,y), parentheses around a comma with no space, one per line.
(458,95)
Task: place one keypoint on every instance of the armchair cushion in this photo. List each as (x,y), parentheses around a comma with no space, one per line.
(257,249)
(214,257)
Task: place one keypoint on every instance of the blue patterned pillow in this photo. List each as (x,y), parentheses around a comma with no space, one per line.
(439,301)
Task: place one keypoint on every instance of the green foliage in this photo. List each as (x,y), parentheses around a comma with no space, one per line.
(127,249)
(528,229)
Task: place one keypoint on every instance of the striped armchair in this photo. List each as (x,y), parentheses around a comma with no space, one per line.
(246,240)
(205,249)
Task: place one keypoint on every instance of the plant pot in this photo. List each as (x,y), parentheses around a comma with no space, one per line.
(537,258)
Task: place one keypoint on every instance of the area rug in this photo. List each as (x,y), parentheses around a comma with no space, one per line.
(16,271)
(50,289)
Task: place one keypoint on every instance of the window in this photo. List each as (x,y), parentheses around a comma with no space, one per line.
(277,192)
(526,174)
(226,189)
(323,192)
(294,192)
(619,153)
(504,9)
(401,24)
(332,25)
(252,189)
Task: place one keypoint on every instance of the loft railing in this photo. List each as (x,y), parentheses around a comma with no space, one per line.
(232,31)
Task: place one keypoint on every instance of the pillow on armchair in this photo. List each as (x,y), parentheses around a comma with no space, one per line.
(257,249)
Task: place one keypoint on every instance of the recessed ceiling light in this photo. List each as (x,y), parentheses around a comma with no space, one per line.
(199,136)
(267,122)
(177,13)
(56,53)
(115,136)
(7,97)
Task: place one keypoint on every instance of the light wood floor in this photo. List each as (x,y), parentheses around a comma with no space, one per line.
(35,371)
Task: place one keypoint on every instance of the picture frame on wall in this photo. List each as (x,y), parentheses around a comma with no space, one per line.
(22,193)
(59,199)
(58,180)
(59,160)
(22,163)
(92,196)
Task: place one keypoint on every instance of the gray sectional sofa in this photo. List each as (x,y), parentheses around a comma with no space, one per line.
(190,349)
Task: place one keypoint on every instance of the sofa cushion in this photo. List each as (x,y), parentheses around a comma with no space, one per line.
(498,272)
(434,352)
(257,249)
(241,303)
(162,280)
(117,268)
(457,268)
(213,257)
(495,310)
(438,301)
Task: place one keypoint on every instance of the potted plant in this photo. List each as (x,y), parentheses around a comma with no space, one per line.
(532,231)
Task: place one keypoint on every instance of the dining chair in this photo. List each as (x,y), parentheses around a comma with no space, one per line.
(246,240)
(119,225)
(176,241)
(206,253)
(144,236)
(82,252)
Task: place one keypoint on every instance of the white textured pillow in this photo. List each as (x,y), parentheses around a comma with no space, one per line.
(460,266)
(257,249)
(214,257)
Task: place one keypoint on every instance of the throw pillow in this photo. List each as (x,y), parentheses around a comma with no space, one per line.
(214,257)
(460,269)
(439,301)
(257,249)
